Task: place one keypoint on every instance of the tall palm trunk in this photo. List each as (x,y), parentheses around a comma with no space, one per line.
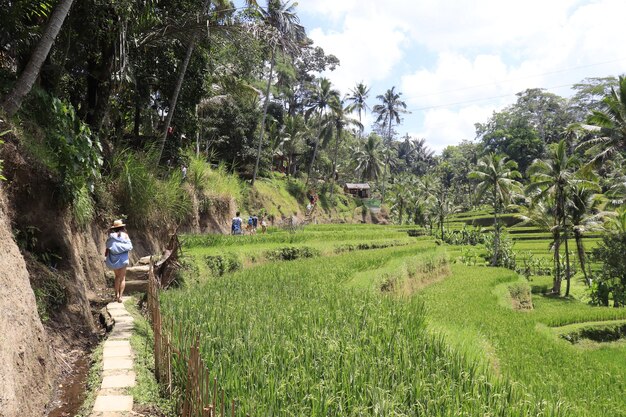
(382,198)
(567,265)
(176,93)
(317,142)
(496,231)
(265,106)
(179,82)
(556,282)
(13,100)
(332,182)
(581,254)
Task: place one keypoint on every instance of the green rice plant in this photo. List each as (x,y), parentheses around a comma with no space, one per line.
(293,339)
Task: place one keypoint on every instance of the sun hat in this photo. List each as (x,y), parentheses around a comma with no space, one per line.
(117,223)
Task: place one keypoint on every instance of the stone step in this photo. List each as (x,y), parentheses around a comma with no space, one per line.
(135,286)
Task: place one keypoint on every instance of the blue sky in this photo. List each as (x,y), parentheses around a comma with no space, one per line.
(457,61)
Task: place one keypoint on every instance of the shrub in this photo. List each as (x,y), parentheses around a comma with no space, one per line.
(610,284)
(291,253)
(222,264)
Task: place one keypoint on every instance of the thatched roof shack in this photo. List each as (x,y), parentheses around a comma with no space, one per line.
(361,190)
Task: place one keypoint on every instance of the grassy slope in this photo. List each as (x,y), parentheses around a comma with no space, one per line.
(592,382)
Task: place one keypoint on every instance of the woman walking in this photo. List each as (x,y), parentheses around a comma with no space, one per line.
(117,248)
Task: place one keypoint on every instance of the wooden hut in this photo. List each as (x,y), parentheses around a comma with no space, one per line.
(361,190)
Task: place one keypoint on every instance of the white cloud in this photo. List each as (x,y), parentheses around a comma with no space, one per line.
(365,54)
(458,60)
(444,127)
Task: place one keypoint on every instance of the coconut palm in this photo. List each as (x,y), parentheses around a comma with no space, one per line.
(337,121)
(388,113)
(367,158)
(294,131)
(322,99)
(609,125)
(357,97)
(583,212)
(497,182)
(555,176)
(281,17)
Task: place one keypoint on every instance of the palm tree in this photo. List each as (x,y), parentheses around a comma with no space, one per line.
(338,120)
(357,97)
(609,125)
(388,112)
(497,180)
(194,28)
(323,97)
(582,210)
(12,102)
(555,177)
(367,158)
(294,131)
(280,16)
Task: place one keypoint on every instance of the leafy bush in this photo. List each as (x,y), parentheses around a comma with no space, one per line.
(291,253)
(610,284)
(521,296)
(78,156)
(506,256)
(465,236)
(222,264)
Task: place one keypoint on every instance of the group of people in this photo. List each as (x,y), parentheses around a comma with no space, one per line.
(237,226)
(119,245)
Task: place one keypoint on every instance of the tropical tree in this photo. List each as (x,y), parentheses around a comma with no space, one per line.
(357,98)
(582,210)
(367,158)
(281,17)
(322,99)
(338,120)
(12,102)
(389,111)
(496,176)
(608,125)
(554,177)
(294,132)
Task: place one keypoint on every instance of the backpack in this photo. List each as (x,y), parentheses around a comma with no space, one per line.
(236,227)
(250,221)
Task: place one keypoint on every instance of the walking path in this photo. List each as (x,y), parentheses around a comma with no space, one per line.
(117,367)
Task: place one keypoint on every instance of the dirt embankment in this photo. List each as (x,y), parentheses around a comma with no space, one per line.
(28,364)
(51,281)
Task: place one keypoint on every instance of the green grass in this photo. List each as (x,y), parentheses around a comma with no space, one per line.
(146,392)
(589,382)
(294,339)
(392,331)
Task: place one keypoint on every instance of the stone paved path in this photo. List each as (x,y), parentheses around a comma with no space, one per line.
(117,367)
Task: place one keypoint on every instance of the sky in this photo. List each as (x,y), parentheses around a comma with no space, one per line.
(457,61)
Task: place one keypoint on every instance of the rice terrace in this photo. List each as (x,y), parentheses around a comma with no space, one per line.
(410,327)
(316,208)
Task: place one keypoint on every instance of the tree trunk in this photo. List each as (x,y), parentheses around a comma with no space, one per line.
(581,255)
(176,92)
(317,142)
(382,198)
(265,106)
(332,183)
(567,266)
(556,282)
(13,100)
(496,232)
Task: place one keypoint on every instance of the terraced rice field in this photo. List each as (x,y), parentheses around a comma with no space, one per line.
(366,320)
